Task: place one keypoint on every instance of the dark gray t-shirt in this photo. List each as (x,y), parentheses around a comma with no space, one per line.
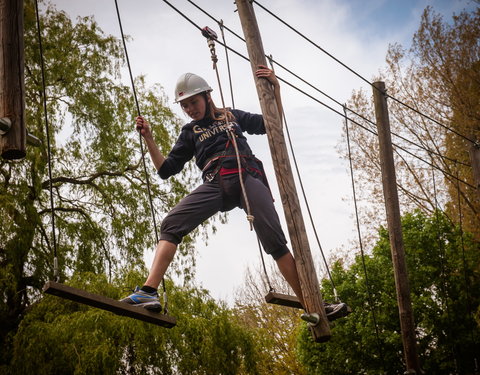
(207,138)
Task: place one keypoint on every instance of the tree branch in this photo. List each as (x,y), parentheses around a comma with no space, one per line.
(89,180)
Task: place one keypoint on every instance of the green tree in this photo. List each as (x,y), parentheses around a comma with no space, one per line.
(63,337)
(275,327)
(101,210)
(438,76)
(445,289)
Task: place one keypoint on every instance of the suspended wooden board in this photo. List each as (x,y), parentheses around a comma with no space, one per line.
(109,304)
(292,301)
(283,300)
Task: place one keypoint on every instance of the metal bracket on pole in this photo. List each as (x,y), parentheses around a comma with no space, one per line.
(5,125)
(33,141)
(313,319)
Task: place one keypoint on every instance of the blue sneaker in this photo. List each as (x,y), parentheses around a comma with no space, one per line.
(141,298)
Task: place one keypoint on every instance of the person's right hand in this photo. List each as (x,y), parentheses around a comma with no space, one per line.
(143,126)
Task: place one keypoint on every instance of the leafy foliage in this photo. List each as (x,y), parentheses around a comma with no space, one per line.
(438,76)
(63,337)
(275,327)
(101,211)
(444,283)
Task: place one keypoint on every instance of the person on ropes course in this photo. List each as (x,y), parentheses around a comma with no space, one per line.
(232,177)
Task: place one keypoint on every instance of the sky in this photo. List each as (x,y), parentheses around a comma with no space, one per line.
(164,45)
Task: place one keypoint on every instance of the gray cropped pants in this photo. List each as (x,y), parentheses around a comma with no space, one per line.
(223,194)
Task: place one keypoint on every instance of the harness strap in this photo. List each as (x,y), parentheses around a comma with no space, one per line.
(222,155)
(230,132)
(219,158)
(227,171)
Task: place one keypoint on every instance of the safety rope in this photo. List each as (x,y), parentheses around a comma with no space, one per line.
(362,252)
(220,24)
(230,129)
(270,287)
(49,151)
(147,179)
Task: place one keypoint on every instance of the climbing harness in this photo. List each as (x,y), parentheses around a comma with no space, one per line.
(230,127)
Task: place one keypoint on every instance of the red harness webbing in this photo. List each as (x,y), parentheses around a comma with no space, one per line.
(227,171)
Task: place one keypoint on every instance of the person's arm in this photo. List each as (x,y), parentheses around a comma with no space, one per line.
(144,128)
(265,72)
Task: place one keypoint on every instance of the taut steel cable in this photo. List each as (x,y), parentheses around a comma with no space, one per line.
(147,179)
(49,151)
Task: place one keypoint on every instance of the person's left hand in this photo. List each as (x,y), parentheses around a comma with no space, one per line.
(264,72)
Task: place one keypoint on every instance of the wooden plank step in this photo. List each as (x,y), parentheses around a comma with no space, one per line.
(109,304)
(283,299)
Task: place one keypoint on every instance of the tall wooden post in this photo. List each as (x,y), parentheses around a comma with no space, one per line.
(296,226)
(395,229)
(475,159)
(12,86)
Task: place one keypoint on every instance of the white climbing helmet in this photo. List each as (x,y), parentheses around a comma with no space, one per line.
(188,85)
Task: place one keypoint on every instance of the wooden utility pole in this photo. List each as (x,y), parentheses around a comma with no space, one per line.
(475,159)
(12,86)
(296,226)
(395,230)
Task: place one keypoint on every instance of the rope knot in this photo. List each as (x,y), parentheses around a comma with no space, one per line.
(250,219)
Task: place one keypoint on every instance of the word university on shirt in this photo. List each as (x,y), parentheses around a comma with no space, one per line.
(215,128)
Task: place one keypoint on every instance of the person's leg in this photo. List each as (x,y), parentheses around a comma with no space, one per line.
(163,257)
(190,212)
(266,221)
(267,226)
(202,203)
(287,267)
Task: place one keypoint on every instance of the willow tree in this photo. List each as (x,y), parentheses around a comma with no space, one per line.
(437,76)
(102,214)
(63,337)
